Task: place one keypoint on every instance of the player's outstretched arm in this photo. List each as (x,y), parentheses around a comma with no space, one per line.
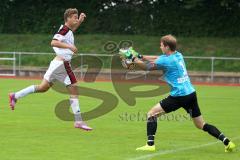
(81,18)
(145,66)
(149,58)
(129,56)
(59,44)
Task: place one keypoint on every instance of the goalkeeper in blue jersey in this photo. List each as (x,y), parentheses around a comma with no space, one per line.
(182,92)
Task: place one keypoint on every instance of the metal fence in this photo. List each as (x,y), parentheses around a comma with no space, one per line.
(209,63)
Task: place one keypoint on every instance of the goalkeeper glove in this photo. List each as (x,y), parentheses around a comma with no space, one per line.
(129,53)
(134,53)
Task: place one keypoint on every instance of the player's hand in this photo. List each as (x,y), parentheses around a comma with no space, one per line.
(125,54)
(129,53)
(134,53)
(82,16)
(127,57)
(73,48)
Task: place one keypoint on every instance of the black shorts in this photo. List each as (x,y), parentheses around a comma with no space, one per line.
(188,102)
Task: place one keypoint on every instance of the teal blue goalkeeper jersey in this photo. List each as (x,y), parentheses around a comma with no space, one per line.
(175,74)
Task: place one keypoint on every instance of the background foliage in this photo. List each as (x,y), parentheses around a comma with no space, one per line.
(150,17)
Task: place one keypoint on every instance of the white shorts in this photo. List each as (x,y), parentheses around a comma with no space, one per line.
(60,71)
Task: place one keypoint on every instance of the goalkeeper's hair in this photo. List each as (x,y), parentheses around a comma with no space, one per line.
(69,12)
(170,41)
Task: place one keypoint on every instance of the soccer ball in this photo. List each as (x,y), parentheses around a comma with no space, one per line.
(128,64)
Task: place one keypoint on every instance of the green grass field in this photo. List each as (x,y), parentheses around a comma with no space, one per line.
(33,132)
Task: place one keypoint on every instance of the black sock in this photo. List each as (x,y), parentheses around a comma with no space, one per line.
(224,139)
(212,130)
(151,129)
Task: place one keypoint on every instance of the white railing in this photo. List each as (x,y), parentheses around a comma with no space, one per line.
(13,59)
(212,61)
(17,57)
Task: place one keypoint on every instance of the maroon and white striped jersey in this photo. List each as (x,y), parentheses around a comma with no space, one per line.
(65,35)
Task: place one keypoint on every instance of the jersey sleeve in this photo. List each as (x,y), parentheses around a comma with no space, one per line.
(159,62)
(59,37)
(61,34)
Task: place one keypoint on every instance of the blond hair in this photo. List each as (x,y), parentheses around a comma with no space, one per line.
(69,12)
(170,41)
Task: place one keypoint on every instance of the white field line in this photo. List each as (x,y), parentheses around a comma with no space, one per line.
(148,156)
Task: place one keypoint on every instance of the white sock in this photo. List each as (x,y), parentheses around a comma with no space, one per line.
(75,109)
(25,91)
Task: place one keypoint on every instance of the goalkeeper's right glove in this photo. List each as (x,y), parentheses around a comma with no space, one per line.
(134,53)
